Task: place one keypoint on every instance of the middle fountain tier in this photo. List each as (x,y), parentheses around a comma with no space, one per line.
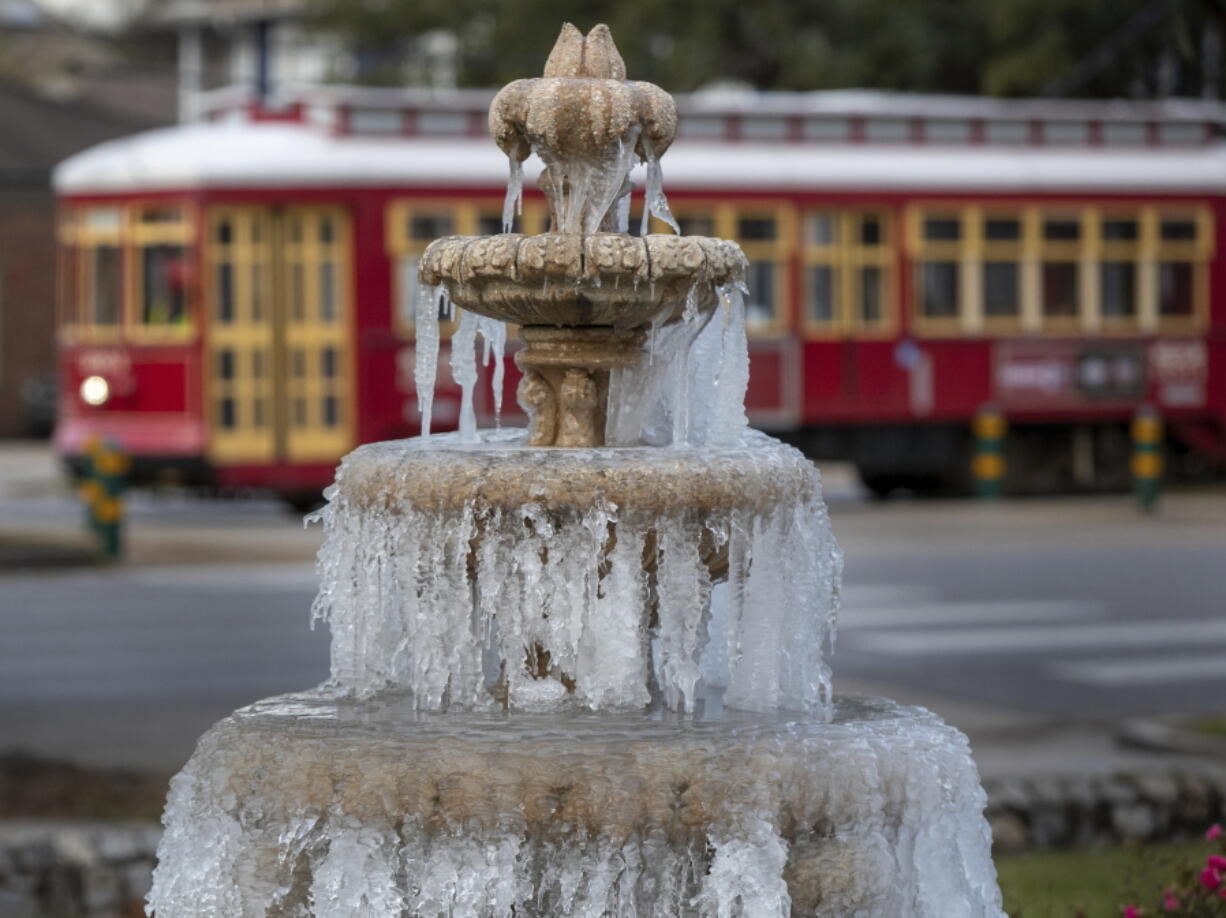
(579,669)
(475,574)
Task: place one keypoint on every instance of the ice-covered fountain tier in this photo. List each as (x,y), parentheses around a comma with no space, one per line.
(578,669)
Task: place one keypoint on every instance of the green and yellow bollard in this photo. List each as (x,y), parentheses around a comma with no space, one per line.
(989,463)
(102,488)
(1147,456)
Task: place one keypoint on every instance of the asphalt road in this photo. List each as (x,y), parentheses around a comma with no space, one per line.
(1065,611)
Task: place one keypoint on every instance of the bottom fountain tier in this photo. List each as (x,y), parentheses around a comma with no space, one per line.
(313,804)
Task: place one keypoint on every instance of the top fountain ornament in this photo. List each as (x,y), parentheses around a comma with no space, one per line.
(586,293)
(588,123)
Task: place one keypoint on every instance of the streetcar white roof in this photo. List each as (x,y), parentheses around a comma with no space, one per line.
(271,155)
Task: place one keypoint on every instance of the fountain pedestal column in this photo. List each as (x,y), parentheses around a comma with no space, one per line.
(565,387)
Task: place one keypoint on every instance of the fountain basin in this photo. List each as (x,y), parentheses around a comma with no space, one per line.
(499,471)
(332,803)
(568,279)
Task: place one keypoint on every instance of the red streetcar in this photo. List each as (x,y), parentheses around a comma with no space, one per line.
(237,294)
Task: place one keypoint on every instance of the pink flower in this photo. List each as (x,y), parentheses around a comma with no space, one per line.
(1216,861)
(1210,879)
(1132,912)
(1215,831)
(1170,903)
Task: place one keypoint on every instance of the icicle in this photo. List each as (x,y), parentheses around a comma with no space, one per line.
(513,204)
(729,421)
(623,214)
(494,337)
(654,200)
(464,372)
(425,365)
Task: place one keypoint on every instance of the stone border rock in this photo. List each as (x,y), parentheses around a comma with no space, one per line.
(86,869)
(1054,812)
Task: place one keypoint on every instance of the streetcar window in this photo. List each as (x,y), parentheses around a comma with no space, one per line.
(428,227)
(756,229)
(1000,289)
(1120,230)
(225,292)
(870,231)
(492,225)
(225,232)
(760,307)
(225,364)
(939,289)
(1061,230)
(1060,289)
(228,411)
(696,226)
(104,220)
(1175,289)
(870,294)
(297,291)
(1178,230)
(1118,289)
(325,231)
(328,362)
(822,229)
(942,229)
(823,306)
(164,284)
(106,289)
(257,288)
(161,215)
(1002,230)
(327,291)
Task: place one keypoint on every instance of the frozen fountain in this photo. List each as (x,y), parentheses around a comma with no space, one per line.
(579,669)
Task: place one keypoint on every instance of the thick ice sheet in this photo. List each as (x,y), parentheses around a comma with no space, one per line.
(310,805)
(556,601)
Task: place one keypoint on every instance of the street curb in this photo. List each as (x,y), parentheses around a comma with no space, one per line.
(1166,735)
(19,554)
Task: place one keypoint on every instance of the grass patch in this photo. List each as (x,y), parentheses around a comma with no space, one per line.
(1214,725)
(1094,884)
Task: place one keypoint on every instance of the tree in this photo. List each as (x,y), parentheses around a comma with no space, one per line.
(1005,47)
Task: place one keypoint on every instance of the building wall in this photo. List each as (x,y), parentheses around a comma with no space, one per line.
(27,305)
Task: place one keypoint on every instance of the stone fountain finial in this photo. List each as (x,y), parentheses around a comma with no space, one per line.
(583,115)
(594,56)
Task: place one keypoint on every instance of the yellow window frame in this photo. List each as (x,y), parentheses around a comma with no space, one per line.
(1088,253)
(142,235)
(1198,253)
(780,250)
(958,251)
(846,256)
(87,238)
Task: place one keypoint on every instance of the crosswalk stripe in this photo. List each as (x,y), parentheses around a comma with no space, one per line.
(1040,637)
(1144,670)
(1002,611)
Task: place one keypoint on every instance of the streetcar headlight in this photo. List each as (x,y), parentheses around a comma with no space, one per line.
(95,391)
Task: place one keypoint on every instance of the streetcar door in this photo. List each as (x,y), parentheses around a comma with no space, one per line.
(318,418)
(280,340)
(239,285)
